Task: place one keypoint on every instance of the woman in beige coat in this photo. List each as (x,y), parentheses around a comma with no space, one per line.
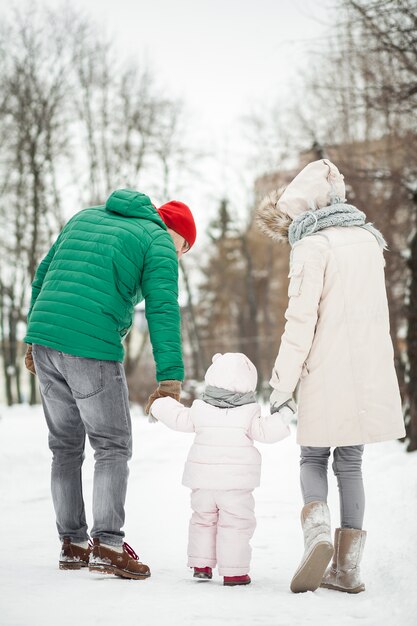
(337,348)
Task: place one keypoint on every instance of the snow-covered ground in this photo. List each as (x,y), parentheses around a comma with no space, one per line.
(33,592)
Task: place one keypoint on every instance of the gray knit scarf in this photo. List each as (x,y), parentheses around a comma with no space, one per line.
(336,214)
(225,399)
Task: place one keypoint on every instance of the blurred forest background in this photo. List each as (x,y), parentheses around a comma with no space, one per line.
(73,127)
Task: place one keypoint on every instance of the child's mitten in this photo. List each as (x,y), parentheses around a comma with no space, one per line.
(166,388)
(152,419)
(286,414)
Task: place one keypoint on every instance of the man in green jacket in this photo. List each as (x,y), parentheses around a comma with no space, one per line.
(105,260)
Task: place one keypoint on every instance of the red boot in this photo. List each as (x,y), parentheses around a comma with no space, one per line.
(233,581)
(204,573)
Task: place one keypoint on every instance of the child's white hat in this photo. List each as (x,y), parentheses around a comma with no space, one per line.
(232,371)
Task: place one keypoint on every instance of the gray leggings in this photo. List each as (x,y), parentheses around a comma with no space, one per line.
(347,467)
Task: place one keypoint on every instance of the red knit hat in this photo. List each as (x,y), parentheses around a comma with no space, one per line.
(177,216)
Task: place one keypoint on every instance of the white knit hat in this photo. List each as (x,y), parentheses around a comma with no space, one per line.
(232,371)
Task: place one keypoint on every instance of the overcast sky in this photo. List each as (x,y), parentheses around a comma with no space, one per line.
(222,57)
(218,54)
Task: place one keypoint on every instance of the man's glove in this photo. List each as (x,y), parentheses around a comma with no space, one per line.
(171,388)
(30,365)
(279,399)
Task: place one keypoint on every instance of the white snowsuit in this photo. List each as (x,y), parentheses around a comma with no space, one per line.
(222,469)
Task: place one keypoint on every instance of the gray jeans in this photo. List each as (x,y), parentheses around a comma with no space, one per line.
(347,467)
(86,396)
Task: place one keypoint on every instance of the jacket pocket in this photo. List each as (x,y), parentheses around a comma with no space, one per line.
(296,279)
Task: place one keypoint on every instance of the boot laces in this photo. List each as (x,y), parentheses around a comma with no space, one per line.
(130,551)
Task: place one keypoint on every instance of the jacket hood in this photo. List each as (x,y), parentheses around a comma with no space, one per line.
(131,203)
(232,371)
(318,185)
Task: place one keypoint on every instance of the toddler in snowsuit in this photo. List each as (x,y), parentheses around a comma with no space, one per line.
(223,466)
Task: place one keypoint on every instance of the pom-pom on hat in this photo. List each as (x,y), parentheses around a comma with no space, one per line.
(232,371)
(177,216)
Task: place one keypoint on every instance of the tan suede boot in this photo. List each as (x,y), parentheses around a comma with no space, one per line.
(73,555)
(344,573)
(318,549)
(124,564)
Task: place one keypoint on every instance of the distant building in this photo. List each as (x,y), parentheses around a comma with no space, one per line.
(370,161)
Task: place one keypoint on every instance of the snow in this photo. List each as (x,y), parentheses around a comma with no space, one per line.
(33,591)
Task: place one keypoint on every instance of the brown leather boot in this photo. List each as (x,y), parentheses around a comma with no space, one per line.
(344,573)
(73,556)
(124,564)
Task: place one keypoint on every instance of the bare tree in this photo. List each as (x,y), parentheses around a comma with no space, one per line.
(72,113)
(32,122)
(390,27)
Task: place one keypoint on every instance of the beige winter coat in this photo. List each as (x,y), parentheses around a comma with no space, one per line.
(337,342)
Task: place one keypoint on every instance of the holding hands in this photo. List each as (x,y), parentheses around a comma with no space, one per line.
(283,403)
(165,388)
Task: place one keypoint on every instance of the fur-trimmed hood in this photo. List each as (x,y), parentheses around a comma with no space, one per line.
(271,220)
(317,185)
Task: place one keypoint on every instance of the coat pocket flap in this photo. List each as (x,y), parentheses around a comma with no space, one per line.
(296,269)
(296,279)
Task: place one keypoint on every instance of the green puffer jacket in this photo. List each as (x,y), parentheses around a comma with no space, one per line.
(106,260)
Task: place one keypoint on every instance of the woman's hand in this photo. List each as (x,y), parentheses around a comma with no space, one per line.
(279,399)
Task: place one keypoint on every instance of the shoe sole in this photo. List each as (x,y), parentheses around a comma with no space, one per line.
(114,571)
(202,576)
(68,565)
(336,588)
(310,574)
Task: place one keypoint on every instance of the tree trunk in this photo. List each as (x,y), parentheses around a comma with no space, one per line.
(199,359)
(412,349)
(32,396)
(8,386)
(252,333)
(18,384)
(4,352)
